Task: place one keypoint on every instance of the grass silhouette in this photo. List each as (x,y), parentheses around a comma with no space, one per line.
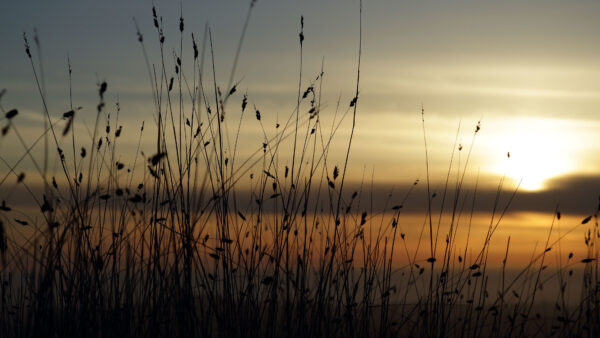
(199,240)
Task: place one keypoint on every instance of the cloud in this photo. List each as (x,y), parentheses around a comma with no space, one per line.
(576,195)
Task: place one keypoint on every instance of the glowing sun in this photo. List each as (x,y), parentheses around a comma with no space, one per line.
(532,150)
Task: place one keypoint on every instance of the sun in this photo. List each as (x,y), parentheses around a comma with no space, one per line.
(532,151)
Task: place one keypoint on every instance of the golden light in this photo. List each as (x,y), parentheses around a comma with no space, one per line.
(532,150)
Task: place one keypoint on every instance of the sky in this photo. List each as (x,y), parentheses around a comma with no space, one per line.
(528,71)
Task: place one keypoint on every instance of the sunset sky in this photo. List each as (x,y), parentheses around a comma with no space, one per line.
(528,70)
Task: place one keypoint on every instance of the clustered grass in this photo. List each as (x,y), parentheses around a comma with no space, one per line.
(193,239)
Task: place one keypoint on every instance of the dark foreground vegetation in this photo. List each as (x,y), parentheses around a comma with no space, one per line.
(193,239)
